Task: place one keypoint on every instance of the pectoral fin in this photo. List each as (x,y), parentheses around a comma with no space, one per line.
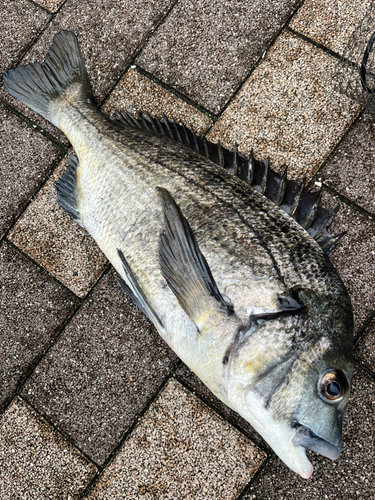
(136,293)
(184,267)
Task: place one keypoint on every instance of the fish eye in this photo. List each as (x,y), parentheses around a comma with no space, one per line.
(332,386)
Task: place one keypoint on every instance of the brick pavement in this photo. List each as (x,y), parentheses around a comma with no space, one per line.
(94,404)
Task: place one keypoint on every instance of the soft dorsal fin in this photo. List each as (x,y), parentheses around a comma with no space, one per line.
(289,195)
(185,269)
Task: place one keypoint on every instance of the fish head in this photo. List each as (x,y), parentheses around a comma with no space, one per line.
(326,368)
(290,378)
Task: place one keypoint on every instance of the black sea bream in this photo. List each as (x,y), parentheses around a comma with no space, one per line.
(244,294)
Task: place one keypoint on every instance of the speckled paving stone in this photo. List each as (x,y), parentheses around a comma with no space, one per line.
(351,476)
(51,5)
(365,348)
(35,461)
(351,171)
(33,308)
(26,157)
(287,109)
(205,49)
(187,377)
(329,22)
(136,92)
(20,23)
(109,33)
(52,238)
(181,449)
(102,371)
(354,257)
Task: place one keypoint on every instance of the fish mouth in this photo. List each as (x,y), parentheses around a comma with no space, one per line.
(306,438)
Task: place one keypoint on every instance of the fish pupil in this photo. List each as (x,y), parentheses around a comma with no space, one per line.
(333,389)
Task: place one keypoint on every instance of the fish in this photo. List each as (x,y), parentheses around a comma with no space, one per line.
(227,258)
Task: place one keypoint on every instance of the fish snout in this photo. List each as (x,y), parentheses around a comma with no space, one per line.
(309,440)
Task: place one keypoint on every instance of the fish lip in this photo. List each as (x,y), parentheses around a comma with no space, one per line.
(306,438)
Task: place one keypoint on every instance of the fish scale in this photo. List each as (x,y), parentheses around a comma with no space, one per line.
(132,228)
(236,286)
(259,214)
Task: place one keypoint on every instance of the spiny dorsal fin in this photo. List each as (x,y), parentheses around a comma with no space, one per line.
(307,208)
(322,221)
(289,195)
(66,188)
(184,267)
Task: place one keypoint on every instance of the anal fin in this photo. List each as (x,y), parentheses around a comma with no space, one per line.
(135,292)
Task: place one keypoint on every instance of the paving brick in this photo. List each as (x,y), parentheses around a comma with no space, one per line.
(52,238)
(206,49)
(351,476)
(186,376)
(35,462)
(329,22)
(102,371)
(26,158)
(33,309)
(365,348)
(51,5)
(287,110)
(20,23)
(351,170)
(109,33)
(354,257)
(136,92)
(181,449)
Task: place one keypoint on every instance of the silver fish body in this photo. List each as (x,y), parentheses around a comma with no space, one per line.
(263,318)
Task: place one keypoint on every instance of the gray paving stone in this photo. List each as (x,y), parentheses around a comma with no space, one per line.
(102,371)
(287,110)
(26,158)
(135,92)
(51,5)
(54,240)
(33,309)
(205,49)
(351,476)
(354,257)
(35,461)
(181,449)
(20,23)
(109,32)
(365,348)
(329,22)
(351,170)
(186,376)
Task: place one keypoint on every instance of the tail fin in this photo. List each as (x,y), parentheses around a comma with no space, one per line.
(37,85)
